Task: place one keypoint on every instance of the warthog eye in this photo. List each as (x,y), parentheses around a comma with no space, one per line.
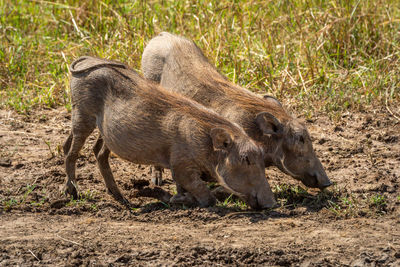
(301,139)
(274,128)
(246,159)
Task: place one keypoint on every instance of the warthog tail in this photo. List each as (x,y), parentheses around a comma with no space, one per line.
(87,63)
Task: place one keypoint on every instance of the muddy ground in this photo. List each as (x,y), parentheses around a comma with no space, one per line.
(356,223)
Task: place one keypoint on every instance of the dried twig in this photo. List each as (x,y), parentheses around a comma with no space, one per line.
(76,26)
(387,106)
(73,242)
(230,215)
(33,254)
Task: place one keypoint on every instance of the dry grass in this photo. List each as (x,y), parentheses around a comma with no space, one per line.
(327,56)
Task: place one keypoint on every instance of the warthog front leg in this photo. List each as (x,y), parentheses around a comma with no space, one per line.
(156,173)
(67,145)
(102,154)
(221,193)
(189,179)
(183,197)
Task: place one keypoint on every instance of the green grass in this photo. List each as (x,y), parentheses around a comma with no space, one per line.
(336,200)
(325,56)
(378,201)
(289,196)
(9,204)
(233,202)
(24,198)
(84,197)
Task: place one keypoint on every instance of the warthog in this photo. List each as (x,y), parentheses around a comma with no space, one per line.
(180,66)
(145,124)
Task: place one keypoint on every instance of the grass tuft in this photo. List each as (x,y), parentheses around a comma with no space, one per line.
(29,196)
(327,56)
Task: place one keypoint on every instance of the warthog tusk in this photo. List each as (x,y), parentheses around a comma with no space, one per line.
(223,183)
(286,169)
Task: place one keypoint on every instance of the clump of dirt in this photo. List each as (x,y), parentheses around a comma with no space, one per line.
(356,222)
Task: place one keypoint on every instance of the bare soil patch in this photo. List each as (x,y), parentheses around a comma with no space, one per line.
(357,224)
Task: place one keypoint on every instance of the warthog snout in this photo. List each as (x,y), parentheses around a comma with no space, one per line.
(316,179)
(265,197)
(316,175)
(298,158)
(309,171)
(241,171)
(261,199)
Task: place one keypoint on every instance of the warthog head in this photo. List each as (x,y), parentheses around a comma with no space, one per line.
(240,168)
(294,154)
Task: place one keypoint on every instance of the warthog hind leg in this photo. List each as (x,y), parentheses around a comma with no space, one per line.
(82,127)
(156,173)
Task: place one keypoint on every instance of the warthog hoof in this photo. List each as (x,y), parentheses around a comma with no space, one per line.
(188,200)
(116,194)
(222,194)
(183,199)
(156,180)
(126,203)
(70,190)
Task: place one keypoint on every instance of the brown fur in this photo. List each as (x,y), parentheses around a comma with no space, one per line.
(141,122)
(180,66)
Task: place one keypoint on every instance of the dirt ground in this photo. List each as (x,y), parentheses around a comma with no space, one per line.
(356,223)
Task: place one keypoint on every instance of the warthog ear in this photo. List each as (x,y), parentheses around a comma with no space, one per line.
(221,139)
(268,123)
(272,99)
